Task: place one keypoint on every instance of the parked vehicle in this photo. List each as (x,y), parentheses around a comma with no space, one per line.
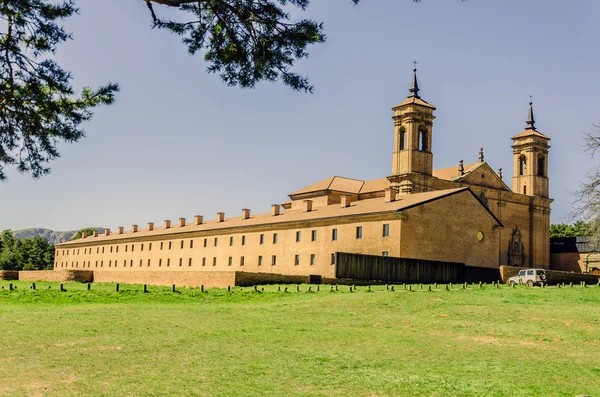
(530,277)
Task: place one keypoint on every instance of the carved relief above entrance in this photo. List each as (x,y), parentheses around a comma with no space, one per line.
(516,249)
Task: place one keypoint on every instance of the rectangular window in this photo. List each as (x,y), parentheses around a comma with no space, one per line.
(312,259)
(117,248)
(97,250)
(101,264)
(386,230)
(190,262)
(333,234)
(125,263)
(313,235)
(109,263)
(273,260)
(297,260)
(262,239)
(110,250)
(243,240)
(142,247)
(95,265)
(132,247)
(385,253)
(168,262)
(333,258)
(170,242)
(274,238)
(205,242)
(140,263)
(161,245)
(159,262)
(181,245)
(102,249)
(180,262)
(214,261)
(204,261)
(149,247)
(230,241)
(216,241)
(191,243)
(241,261)
(230,261)
(130,263)
(298,237)
(358,231)
(260,260)
(148,262)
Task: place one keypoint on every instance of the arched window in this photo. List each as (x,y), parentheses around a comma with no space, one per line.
(524,189)
(541,171)
(522,165)
(423,139)
(402,138)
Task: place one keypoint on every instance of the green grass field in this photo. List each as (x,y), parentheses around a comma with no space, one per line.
(488,342)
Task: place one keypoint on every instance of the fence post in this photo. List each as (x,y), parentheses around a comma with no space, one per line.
(117,287)
(10,286)
(173,288)
(202,288)
(89,286)
(392,288)
(33,286)
(145,289)
(61,288)
(297,288)
(228,288)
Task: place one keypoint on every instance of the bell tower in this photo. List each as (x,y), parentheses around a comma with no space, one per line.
(530,152)
(413,138)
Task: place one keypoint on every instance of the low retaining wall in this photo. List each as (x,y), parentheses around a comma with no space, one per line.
(554,276)
(9,275)
(180,278)
(59,276)
(245,279)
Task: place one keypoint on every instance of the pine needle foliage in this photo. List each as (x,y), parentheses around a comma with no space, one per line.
(38,105)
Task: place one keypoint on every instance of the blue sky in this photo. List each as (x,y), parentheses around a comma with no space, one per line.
(178,142)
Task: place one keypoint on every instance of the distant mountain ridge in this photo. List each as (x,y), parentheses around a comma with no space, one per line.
(50,235)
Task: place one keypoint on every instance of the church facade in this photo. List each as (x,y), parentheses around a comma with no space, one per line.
(465,214)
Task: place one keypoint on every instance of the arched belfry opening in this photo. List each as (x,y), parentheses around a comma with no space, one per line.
(541,165)
(522,165)
(423,139)
(401,138)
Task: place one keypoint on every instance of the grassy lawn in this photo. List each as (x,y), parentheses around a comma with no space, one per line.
(488,342)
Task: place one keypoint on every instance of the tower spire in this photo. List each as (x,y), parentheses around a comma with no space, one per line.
(414,87)
(530,118)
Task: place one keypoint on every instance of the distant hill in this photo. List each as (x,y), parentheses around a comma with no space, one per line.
(50,235)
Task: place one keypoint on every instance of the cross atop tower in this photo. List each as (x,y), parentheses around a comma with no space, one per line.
(414,86)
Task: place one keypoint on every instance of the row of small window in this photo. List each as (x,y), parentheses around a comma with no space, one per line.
(313,237)
(260,262)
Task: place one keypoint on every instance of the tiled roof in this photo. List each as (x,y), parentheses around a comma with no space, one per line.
(362,207)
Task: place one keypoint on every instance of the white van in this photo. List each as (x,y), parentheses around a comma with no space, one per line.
(530,277)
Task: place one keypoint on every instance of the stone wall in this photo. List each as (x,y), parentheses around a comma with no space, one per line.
(62,276)
(554,276)
(9,275)
(244,279)
(218,279)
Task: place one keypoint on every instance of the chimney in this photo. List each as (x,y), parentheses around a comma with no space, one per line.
(120,229)
(245,213)
(134,228)
(346,200)
(83,234)
(107,232)
(167,224)
(181,222)
(220,216)
(150,226)
(275,209)
(390,195)
(198,219)
(95,233)
(307,205)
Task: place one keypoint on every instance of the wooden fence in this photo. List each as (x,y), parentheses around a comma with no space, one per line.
(407,270)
